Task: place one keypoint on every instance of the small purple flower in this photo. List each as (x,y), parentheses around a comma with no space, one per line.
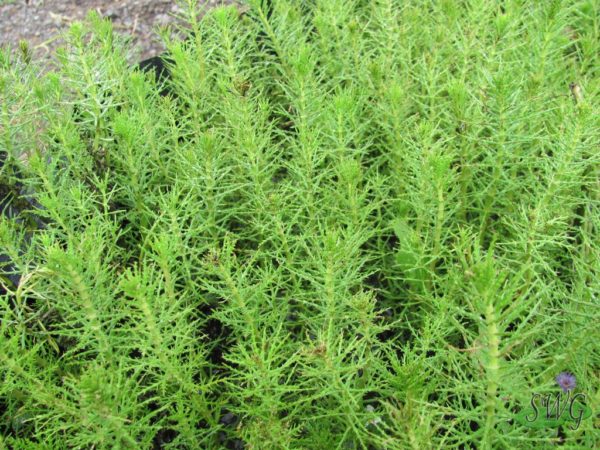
(566,381)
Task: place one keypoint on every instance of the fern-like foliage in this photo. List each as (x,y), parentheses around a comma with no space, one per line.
(337,224)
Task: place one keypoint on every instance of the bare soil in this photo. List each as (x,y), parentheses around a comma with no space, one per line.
(40,22)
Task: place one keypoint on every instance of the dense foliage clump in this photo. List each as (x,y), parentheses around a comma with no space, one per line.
(343,224)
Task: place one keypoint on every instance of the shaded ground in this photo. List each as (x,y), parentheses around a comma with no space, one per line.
(40,21)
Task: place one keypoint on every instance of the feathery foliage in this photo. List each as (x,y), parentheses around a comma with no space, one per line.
(365,224)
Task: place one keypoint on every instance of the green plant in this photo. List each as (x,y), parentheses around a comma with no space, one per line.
(354,224)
